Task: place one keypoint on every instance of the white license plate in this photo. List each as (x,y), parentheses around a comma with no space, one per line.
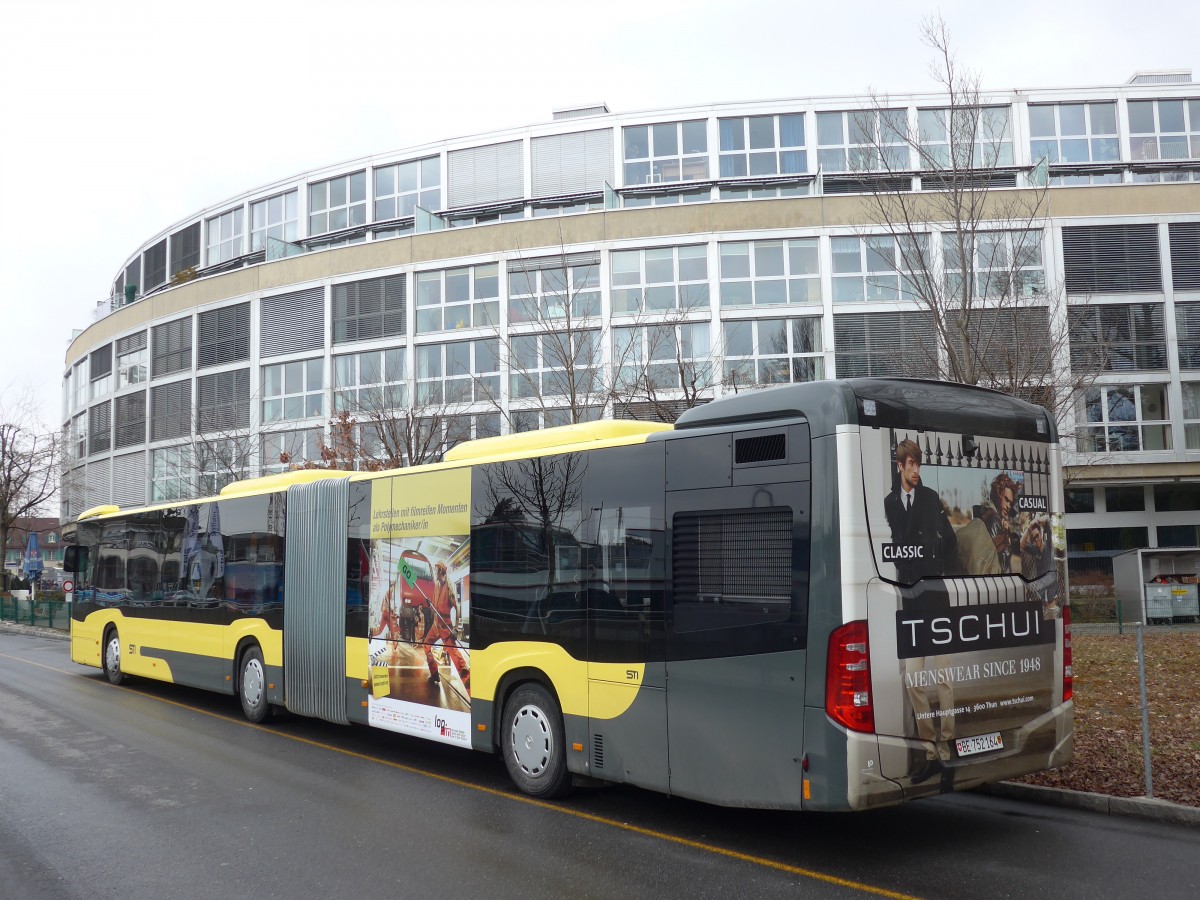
(979,744)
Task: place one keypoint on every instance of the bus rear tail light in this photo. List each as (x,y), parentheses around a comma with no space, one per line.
(848,678)
(1068,667)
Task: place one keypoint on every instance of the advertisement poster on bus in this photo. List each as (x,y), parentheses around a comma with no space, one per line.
(969,531)
(419,622)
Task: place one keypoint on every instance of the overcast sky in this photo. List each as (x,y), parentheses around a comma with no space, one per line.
(120,118)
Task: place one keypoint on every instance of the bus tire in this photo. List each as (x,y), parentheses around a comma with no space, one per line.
(252,686)
(534,748)
(110,660)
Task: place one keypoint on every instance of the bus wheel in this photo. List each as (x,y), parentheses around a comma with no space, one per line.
(532,742)
(112,657)
(252,686)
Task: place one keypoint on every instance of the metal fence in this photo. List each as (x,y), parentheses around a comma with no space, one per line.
(48,612)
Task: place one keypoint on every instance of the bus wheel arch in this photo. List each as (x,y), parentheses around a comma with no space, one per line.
(533,737)
(251,683)
(110,655)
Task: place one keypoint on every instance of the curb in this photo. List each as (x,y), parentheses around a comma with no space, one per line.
(1149,808)
(37,630)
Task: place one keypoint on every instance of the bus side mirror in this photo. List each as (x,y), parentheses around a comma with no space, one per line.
(75,559)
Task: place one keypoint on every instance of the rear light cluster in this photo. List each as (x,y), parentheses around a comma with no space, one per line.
(848,678)
(1068,668)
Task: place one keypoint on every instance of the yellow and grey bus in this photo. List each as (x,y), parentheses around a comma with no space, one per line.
(835,595)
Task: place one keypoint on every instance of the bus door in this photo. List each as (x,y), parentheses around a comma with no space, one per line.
(737,507)
(314,613)
(965,611)
(622,566)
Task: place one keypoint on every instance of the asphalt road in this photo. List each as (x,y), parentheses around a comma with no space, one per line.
(152,791)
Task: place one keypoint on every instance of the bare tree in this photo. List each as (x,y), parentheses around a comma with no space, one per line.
(967,247)
(28,461)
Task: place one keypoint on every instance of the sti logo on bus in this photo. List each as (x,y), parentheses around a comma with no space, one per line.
(960,629)
(1035,503)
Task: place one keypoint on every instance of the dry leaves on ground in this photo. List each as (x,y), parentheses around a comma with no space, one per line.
(1108,718)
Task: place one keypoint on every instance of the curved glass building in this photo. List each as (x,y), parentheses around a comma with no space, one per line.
(633,264)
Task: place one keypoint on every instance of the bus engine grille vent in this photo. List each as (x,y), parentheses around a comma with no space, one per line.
(759,449)
(597,751)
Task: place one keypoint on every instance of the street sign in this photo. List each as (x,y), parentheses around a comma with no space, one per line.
(68,586)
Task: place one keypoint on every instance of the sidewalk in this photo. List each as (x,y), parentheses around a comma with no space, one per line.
(1136,807)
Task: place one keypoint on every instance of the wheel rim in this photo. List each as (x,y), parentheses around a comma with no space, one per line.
(252,683)
(112,655)
(532,743)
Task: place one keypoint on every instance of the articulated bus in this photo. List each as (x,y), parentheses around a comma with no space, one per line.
(832,596)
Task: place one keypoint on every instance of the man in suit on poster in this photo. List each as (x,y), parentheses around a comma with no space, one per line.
(923,542)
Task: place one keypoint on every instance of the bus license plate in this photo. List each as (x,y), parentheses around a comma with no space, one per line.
(979,744)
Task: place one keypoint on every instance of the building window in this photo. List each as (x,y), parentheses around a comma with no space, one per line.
(523,420)
(221,462)
(225,236)
(1125,498)
(554,288)
(669,151)
(1185,255)
(883,344)
(132,359)
(172,348)
(274,217)
(100,427)
(665,198)
(556,364)
(1080,500)
(184,249)
(285,450)
(570,208)
(773,351)
(979,136)
(763,145)
(459,372)
(770,273)
(1117,338)
(651,358)
(224,336)
(171,474)
(661,279)
(337,203)
(293,390)
(1124,418)
(1006,264)
(223,401)
(1164,129)
(799,189)
(401,188)
(1074,132)
(81,384)
(1179,496)
(130,413)
(100,363)
(1112,259)
(369,382)
(1191,414)
(370,309)
(863,140)
(171,410)
(875,268)
(81,436)
(467,297)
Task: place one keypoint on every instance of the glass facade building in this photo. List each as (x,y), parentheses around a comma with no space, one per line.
(632,264)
